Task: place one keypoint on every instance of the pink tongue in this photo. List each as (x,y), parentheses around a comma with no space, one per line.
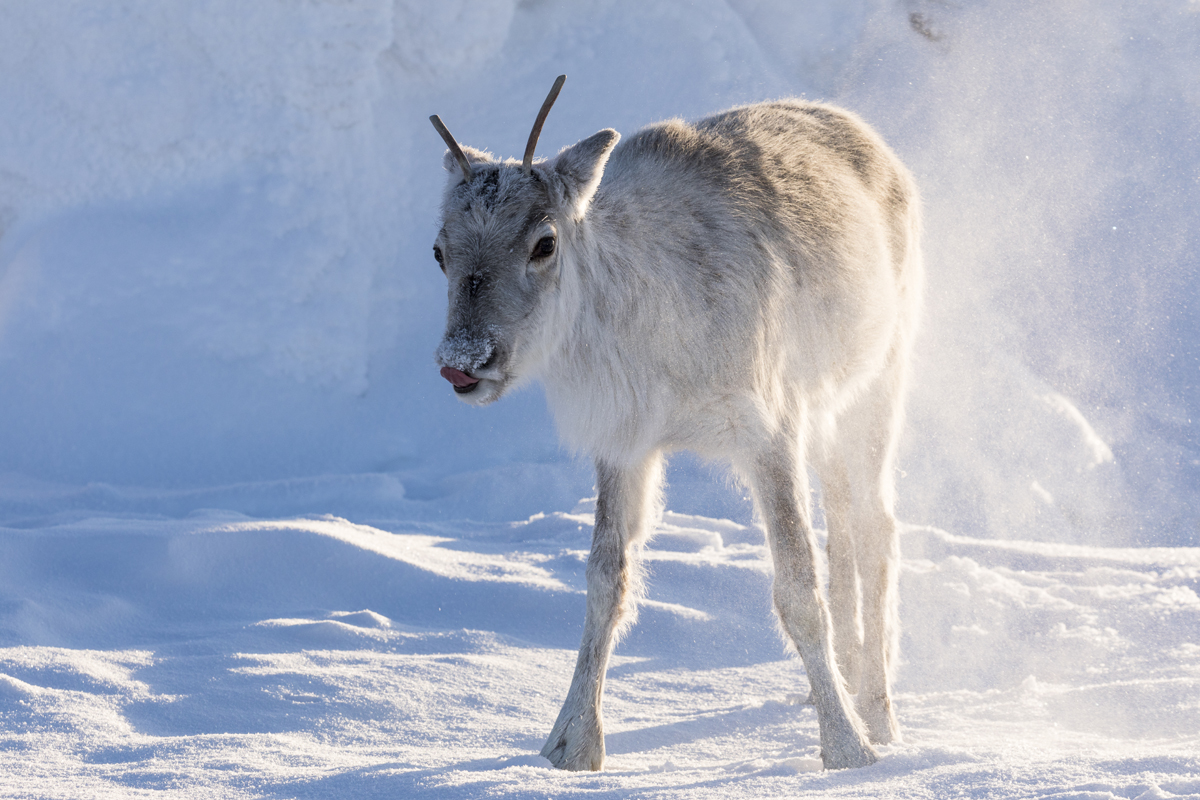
(458,377)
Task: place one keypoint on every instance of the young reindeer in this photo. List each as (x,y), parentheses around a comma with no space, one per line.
(746,287)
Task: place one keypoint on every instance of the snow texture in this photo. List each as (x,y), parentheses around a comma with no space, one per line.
(466,350)
(251,545)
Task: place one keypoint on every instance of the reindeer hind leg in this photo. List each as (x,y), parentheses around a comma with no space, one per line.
(866,445)
(780,491)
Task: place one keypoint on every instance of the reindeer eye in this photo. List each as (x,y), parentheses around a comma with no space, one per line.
(437,255)
(544,247)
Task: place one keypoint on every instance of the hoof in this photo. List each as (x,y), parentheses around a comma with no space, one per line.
(575,747)
(848,757)
(879,719)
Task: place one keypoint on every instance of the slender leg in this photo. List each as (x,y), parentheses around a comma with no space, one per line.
(867,442)
(780,489)
(843,573)
(878,573)
(625,509)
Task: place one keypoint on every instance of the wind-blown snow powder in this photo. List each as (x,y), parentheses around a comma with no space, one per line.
(217,309)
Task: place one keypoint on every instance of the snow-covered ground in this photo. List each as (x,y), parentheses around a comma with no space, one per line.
(253,547)
(231,657)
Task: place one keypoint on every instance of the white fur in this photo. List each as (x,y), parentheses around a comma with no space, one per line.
(747,287)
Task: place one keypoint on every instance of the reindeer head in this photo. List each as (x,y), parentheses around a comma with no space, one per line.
(507,229)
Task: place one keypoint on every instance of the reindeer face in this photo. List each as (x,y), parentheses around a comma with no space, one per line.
(499,249)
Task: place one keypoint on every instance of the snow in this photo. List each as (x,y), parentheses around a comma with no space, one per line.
(252,546)
(315,657)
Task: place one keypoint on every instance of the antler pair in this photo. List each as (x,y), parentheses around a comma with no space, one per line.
(527,163)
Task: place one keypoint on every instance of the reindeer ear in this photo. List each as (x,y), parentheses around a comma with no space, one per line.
(450,162)
(581,166)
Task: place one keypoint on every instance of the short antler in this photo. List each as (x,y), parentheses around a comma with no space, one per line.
(453,145)
(527,164)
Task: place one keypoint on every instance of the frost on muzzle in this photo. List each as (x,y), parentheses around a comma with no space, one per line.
(464,353)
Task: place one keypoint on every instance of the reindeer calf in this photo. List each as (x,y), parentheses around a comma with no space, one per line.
(746,287)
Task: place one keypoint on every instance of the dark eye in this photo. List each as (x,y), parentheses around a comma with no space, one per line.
(544,247)
(437,255)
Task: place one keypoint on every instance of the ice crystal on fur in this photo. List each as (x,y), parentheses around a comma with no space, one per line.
(465,350)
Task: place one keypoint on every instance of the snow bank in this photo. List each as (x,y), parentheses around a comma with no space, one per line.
(215,221)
